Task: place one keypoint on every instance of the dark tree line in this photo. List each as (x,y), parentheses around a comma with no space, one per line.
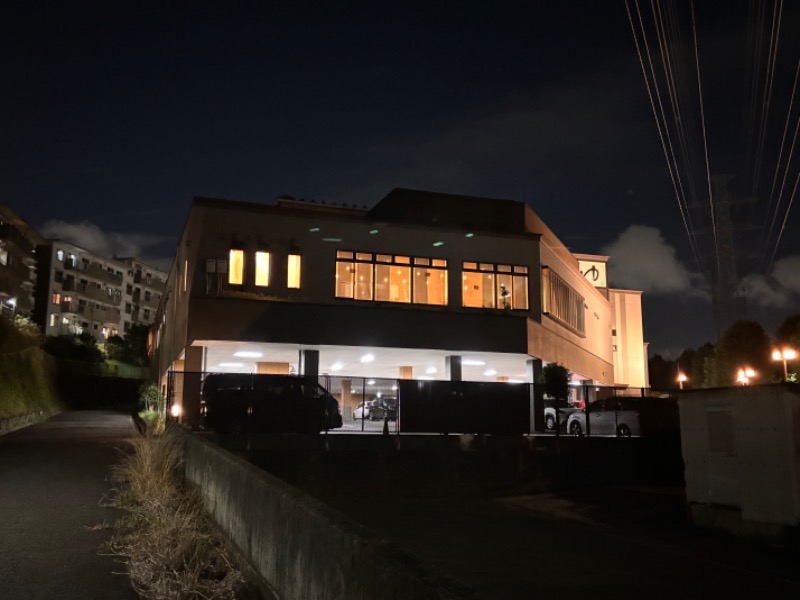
(743,344)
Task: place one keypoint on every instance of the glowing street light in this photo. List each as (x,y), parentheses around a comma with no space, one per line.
(744,376)
(682,378)
(784,355)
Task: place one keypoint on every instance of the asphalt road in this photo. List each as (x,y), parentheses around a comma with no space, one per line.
(53,480)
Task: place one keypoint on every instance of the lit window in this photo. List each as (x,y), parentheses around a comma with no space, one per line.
(389,278)
(487,285)
(293,278)
(53,319)
(56,298)
(262,268)
(60,255)
(236,270)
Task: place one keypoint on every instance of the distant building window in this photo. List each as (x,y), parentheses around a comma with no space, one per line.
(147,295)
(53,319)
(562,303)
(56,298)
(58,276)
(487,285)
(129,289)
(293,271)
(146,315)
(60,255)
(236,267)
(128,308)
(72,260)
(388,278)
(262,268)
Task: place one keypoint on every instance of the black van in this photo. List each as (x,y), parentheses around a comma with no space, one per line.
(241,402)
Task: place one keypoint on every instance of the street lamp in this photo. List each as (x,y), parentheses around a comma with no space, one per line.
(682,378)
(784,355)
(744,375)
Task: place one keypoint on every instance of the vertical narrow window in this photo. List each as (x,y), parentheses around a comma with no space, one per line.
(185,274)
(236,270)
(293,268)
(345,274)
(262,268)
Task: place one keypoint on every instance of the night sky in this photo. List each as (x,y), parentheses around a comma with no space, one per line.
(114,115)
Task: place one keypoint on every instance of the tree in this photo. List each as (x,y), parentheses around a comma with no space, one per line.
(135,350)
(702,370)
(788,334)
(743,344)
(662,373)
(555,378)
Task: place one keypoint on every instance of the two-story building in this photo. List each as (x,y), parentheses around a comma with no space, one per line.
(421,286)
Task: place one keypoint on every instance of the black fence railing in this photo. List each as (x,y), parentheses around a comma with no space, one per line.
(241,402)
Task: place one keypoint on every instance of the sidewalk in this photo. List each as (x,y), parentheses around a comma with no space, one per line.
(53,479)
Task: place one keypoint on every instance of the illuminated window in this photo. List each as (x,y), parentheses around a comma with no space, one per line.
(293,267)
(562,303)
(486,285)
(60,255)
(236,264)
(56,298)
(262,268)
(389,278)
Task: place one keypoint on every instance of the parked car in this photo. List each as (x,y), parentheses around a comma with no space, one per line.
(362,410)
(383,408)
(565,409)
(625,417)
(242,403)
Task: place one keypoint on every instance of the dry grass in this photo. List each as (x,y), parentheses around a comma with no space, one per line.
(166,539)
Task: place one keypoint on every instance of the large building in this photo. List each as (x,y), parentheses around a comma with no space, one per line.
(422,286)
(18,242)
(80,291)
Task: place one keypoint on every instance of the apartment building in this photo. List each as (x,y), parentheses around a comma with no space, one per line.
(80,291)
(422,286)
(18,242)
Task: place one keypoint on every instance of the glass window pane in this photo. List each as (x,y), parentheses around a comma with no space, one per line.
(293,266)
(345,272)
(363,281)
(520,269)
(262,268)
(470,265)
(487,267)
(422,261)
(430,286)
(363,256)
(504,287)
(400,284)
(236,267)
(520,298)
(343,254)
(439,262)
(403,260)
(384,258)
(382,274)
(473,290)
(504,268)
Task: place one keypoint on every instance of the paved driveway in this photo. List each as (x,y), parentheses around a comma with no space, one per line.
(53,478)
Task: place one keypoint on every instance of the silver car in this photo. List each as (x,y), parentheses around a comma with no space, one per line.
(609,416)
(565,409)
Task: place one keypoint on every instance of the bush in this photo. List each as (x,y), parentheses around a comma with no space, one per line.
(166,538)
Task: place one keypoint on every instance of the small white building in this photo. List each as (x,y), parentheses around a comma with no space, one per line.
(741,450)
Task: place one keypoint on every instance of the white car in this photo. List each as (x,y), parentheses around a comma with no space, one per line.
(609,416)
(565,409)
(362,410)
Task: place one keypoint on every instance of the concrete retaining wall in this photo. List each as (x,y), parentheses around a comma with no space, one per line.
(302,547)
(10,424)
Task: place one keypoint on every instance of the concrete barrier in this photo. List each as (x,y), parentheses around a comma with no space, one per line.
(9,424)
(304,548)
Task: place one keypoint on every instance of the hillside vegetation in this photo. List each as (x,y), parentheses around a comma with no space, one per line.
(27,373)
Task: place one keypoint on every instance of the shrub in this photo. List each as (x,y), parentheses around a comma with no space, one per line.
(167,539)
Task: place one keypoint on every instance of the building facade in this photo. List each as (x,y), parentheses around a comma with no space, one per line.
(80,291)
(422,286)
(18,242)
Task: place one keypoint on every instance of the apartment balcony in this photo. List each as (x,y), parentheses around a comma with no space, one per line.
(103,314)
(91,292)
(95,271)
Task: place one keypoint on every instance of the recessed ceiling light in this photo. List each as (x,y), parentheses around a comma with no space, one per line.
(426,378)
(248,354)
(371,382)
(367,358)
(430,370)
(373,231)
(437,244)
(470,235)
(314,229)
(231,364)
(337,366)
(490,372)
(471,362)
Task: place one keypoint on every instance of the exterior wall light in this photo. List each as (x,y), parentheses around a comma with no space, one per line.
(744,376)
(175,410)
(682,378)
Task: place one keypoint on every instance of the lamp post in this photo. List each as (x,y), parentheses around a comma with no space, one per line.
(682,379)
(744,375)
(784,355)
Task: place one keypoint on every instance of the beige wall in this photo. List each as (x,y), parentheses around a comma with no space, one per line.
(630,357)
